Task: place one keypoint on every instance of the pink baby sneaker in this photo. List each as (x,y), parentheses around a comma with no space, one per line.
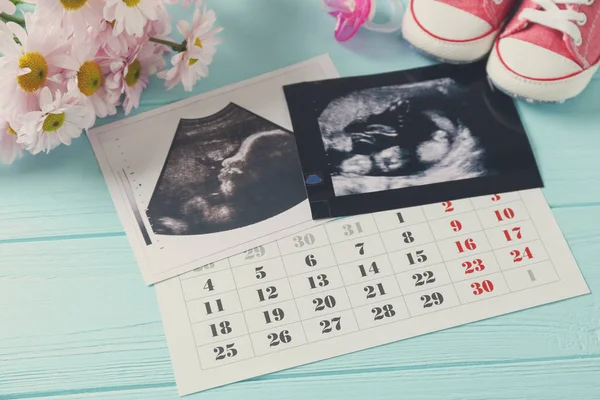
(549,50)
(456,31)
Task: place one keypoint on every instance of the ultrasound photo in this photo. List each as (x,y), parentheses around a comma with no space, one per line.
(225,171)
(398,136)
(408,138)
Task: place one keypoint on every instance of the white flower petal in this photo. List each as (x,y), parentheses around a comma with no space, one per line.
(7,7)
(19,32)
(45,99)
(183,27)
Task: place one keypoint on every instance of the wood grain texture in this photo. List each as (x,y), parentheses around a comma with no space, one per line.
(549,380)
(76,319)
(77,322)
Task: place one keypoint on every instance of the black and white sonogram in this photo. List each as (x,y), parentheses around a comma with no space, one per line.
(398,136)
(442,129)
(225,171)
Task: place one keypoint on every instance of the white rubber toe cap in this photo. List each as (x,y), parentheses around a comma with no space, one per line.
(534,62)
(447,22)
(534,73)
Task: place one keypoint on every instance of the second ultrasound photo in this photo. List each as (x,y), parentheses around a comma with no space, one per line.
(378,142)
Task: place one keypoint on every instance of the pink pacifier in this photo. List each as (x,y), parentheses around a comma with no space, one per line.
(351,15)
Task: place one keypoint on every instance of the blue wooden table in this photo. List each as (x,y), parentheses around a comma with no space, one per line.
(77,321)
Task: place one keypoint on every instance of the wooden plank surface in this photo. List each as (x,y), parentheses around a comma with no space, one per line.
(543,380)
(77,321)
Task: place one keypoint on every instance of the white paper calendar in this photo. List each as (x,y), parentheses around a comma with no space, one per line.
(363,281)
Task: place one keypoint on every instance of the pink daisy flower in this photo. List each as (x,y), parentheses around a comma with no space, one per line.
(131,15)
(191,65)
(129,74)
(83,73)
(10,150)
(105,36)
(29,66)
(59,120)
(75,15)
(161,27)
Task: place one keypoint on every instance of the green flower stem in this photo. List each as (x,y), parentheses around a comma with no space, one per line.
(178,47)
(11,18)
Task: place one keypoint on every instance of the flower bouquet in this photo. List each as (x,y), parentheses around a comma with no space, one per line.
(70,61)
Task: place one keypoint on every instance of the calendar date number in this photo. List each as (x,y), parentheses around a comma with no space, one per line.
(301,241)
(386,311)
(433,299)
(485,286)
(374,290)
(520,255)
(423,279)
(324,302)
(226,351)
(329,325)
(473,266)
(416,257)
(279,338)
(256,252)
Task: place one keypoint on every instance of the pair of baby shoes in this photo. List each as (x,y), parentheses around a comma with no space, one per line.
(539,50)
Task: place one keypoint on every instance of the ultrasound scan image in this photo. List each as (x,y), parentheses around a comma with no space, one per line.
(400,136)
(225,171)
(372,143)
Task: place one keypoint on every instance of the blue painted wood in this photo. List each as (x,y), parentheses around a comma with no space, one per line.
(77,322)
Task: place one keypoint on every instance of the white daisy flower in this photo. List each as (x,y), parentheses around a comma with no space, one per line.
(61,119)
(131,15)
(84,74)
(201,42)
(28,66)
(6,6)
(75,15)
(10,150)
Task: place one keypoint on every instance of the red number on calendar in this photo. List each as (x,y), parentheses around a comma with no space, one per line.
(517,233)
(496,197)
(473,266)
(448,205)
(456,225)
(485,286)
(518,257)
(507,213)
(468,244)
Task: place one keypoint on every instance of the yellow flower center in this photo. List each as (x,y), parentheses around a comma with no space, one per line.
(89,78)
(11,131)
(131,3)
(32,81)
(53,122)
(133,73)
(73,5)
(198,43)
(111,23)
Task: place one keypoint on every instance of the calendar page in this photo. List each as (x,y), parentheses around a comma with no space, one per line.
(363,281)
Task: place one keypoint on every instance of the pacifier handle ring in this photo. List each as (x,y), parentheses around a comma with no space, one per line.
(393,24)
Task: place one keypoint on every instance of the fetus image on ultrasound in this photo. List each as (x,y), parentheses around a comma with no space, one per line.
(226,171)
(400,136)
